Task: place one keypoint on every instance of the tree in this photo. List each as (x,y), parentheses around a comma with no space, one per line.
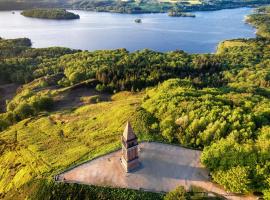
(168,128)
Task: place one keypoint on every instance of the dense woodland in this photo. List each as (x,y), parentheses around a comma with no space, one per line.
(50,14)
(219,103)
(156,6)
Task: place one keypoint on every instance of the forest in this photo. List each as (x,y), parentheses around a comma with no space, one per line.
(157,6)
(218,103)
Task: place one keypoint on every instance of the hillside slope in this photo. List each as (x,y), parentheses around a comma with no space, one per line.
(43,146)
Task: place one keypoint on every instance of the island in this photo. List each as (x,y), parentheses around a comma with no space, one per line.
(50,14)
(175,13)
(138,20)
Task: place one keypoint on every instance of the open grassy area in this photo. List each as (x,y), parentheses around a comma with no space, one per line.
(230,44)
(192,2)
(41,147)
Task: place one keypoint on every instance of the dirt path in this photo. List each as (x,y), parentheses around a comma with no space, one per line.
(7,92)
(74,98)
(163,167)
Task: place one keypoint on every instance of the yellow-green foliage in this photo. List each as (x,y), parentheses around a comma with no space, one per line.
(42,147)
(90,99)
(223,46)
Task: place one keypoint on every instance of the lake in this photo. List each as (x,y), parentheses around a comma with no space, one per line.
(110,31)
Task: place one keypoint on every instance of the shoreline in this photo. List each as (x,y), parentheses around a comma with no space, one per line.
(187,10)
(214,51)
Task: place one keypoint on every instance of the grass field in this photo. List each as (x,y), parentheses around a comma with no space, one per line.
(192,2)
(44,146)
(230,44)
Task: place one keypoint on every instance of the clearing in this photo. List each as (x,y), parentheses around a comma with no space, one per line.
(163,168)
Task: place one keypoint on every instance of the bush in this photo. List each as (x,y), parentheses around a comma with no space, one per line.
(100,87)
(266,194)
(94,99)
(234,180)
(24,110)
(41,103)
(178,194)
(49,190)
(24,105)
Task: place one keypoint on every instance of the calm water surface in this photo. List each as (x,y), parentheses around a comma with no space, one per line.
(110,31)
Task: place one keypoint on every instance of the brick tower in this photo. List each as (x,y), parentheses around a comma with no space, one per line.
(130,159)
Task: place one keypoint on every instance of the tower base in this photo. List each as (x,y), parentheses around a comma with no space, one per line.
(131,165)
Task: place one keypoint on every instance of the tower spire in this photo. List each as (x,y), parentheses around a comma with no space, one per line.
(128,132)
(130,159)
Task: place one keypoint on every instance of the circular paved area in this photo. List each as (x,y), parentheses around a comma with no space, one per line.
(163,168)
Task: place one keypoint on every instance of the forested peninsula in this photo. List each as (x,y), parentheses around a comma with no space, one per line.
(50,14)
(66,101)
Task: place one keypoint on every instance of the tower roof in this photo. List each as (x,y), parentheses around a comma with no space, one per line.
(128,132)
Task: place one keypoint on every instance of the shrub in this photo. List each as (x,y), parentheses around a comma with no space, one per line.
(100,87)
(24,110)
(42,103)
(178,194)
(58,191)
(235,179)
(266,194)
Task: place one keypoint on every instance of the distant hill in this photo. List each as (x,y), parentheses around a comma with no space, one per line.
(26,4)
(130,6)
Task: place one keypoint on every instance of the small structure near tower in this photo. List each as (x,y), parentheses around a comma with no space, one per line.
(130,158)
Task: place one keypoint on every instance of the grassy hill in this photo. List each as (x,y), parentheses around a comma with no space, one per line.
(43,146)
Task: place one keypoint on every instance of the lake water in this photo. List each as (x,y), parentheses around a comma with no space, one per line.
(110,31)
